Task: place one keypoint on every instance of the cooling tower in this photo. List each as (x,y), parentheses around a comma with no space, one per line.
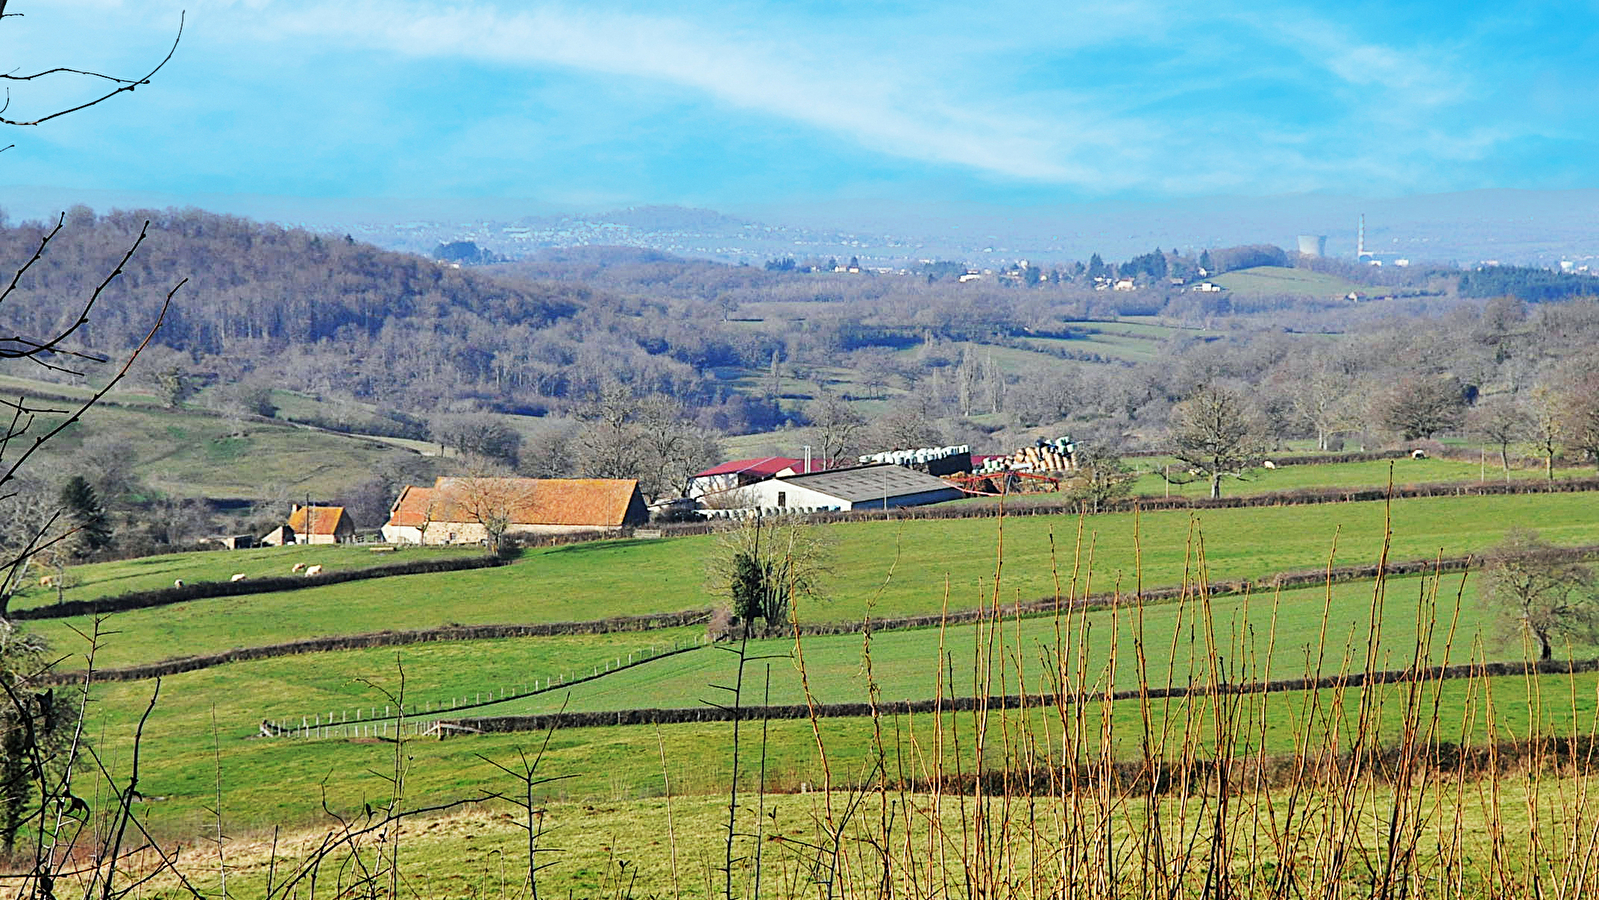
(1313,244)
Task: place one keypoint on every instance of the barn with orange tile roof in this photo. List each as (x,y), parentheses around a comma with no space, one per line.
(313,525)
(452,511)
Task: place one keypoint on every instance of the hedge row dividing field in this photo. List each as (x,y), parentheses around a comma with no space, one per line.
(561,721)
(383,639)
(894,569)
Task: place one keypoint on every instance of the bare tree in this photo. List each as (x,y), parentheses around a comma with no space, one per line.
(1540,593)
(650,439)
(1048,397)
(478,433)
(905,426)
(1324,399)
(1501,421)
(489,498)
(38,768)
(1420,406)
(1579,414)
(674,448)
(1101,477)
(1545,426)
(836,428)
(766,564)
(1215,433)
(608,446)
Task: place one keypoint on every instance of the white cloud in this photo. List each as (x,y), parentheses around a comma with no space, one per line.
(893,103)
(1101,97)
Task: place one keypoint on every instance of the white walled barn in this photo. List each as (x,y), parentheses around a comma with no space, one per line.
(858,487)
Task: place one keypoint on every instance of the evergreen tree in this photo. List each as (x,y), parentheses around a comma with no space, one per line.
(85,513)
(1204,262)
(1096,266)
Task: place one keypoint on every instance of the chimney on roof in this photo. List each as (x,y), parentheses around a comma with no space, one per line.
(807,468)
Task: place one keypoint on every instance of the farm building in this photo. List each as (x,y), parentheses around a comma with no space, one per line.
(313,525)
(453,510)
(857,487)
(281,536)
(741,472)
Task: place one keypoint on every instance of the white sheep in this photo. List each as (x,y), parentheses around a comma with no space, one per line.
(298,567)
(313,570)
(178,583)
(237,576)
(1269,464)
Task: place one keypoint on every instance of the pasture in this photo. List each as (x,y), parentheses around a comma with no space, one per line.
(1278,281)
(898,568)
(93,581)
(609,804)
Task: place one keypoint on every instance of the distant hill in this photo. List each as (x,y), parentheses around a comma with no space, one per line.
(1275,281)
(672,218)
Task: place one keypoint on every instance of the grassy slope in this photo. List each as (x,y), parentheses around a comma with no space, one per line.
(595,580)
(187,454)
(276,780)
(661,849)
(108,579)
(1271,281)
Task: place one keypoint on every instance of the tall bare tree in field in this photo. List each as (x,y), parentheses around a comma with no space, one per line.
(1545,426)
(1540,593)
(1215,434)
(1501,421)
(836,427)
(1579,415)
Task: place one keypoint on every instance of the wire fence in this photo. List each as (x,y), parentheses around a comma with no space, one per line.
(391,720)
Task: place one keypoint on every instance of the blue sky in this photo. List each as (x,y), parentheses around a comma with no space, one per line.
(741,105)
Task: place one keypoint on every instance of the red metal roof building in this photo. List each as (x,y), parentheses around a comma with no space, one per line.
(741,472)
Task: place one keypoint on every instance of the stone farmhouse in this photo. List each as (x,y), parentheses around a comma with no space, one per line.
(454,509)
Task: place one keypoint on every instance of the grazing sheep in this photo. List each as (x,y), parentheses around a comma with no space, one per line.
(1418,454)
(1269,464)
(178,583)
(313,570)
(298,567)
(47,581)
(237,576)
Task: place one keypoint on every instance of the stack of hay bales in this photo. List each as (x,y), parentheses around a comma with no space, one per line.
(1044,456)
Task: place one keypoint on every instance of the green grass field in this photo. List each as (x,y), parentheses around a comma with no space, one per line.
(901,568)
(616,774)
(93,581)
(1371,473)
(1272,281)
(1274,633)
(280,780)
